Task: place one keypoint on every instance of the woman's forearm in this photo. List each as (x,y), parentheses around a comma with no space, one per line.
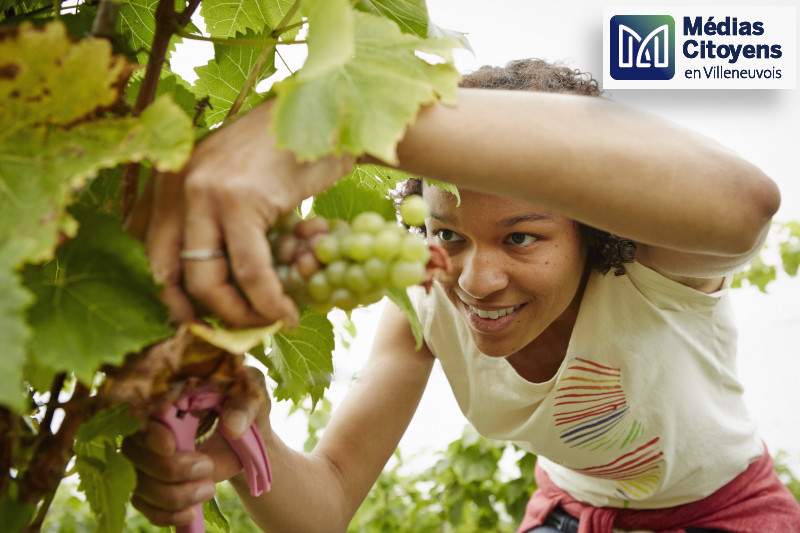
(599,163)
(306,496)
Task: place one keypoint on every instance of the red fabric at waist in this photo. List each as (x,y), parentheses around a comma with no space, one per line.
(754,502)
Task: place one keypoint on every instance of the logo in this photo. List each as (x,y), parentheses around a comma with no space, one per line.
(642,47)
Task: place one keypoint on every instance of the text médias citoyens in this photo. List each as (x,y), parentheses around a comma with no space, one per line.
(710,49)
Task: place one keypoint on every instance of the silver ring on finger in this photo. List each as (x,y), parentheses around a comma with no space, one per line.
(202,254)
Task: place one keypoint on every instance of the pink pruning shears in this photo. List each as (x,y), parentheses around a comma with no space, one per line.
(250,447)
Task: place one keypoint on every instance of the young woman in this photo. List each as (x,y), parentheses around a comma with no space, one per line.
(610,358)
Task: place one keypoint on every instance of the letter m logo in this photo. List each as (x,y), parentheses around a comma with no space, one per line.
(642,47)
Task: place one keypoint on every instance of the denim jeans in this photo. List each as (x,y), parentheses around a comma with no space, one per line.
(560,522)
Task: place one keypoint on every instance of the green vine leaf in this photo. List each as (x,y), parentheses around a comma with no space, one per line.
(214,518)
(300,361)
(169,83)
(223,76)
(359,102)
(15,515)
(781,252)
(107,477)
(401,300)
(411,16)
(226,19)
(348,198)
(15,332)
(331,44)
(378,177)
(137,26)
(95,302)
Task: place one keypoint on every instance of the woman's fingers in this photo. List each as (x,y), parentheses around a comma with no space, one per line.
(250,260)
(173,497)
(152,452)
(164,240)
(162,517)
(241,287)
(169,483)
(209,280)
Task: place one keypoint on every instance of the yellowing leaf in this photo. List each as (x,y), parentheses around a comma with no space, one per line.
(40,170)
(234,341)
(48,78)
(364,104)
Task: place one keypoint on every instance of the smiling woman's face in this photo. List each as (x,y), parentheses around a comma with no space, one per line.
(516,268)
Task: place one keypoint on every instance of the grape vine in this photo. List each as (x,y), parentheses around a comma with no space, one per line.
(90,110)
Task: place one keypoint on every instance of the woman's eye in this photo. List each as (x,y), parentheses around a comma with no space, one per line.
(446,235)
(522,239)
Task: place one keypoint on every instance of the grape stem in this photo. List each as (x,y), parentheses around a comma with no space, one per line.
(255,72)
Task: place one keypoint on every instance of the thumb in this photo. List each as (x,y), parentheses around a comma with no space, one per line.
(242,409)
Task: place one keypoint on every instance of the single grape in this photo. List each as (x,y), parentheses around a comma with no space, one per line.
(356,280)
(287,244)
(311,226)
(335,272)
(414,210)
(387,242)
(376,270)
(307,263)
(371,296)
(337,225)
(367,222)
(319,288)
(286,223)
(327,249)
(283,275)
(344,299)
(414,249)
(357,246)
(406,273)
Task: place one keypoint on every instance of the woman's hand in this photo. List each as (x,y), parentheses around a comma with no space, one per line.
(170,482)
(234,187)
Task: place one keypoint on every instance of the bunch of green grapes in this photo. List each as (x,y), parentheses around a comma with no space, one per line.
(333,263)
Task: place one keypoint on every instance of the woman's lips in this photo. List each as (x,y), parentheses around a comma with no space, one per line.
(490,320)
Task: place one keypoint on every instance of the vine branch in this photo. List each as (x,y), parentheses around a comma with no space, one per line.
(52,402)
(166,17)
(8,427)
(48,464)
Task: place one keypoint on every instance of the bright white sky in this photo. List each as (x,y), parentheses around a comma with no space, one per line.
(762,126)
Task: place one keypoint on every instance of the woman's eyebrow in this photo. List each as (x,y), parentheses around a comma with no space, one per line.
(444,219)
(530,217)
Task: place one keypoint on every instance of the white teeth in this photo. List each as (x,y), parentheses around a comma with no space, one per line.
(495,313)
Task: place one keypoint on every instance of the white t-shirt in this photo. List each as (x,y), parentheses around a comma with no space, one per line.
(645,411)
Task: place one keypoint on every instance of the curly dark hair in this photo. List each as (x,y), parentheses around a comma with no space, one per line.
(605,252)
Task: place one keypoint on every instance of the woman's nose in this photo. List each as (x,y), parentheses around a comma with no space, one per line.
(482,274)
